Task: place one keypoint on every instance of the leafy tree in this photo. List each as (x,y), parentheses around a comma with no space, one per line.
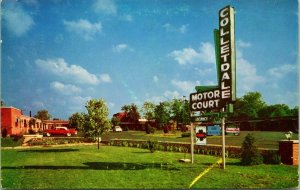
(249,152)
(132,113)
(96,121)
(76,120)
(43,115)
(295,111)
(162,114)
(277,110)
(115,121)
(249,105)
(180,111)
(148,110)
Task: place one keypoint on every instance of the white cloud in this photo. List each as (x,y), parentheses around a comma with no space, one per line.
(171,94)
(105,78)
(105,6)
(167,95)
(185,86)
(283,70)
(111,105)
(121,47)
(247,77)
(16,19)
(73,73)
(242,44)
(79,100)
(170,28)
(185,56)
(155,79)
(206,54)
(38,104)
(65,88)
(83,28)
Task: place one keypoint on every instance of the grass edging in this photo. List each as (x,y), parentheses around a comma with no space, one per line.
(215,150)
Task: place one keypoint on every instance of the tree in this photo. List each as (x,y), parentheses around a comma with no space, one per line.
(162,114)
(180,111)
(295,111)
(96,121)
(148,110)
(115,121)
(76,120)
(249,152)
(43,115)
(277,110)
(249,105)
(132,113)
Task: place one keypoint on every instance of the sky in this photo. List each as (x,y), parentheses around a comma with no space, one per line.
(58,54)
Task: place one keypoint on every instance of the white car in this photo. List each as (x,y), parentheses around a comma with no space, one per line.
(118,129)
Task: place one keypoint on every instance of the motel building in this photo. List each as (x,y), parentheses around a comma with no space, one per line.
(14,123)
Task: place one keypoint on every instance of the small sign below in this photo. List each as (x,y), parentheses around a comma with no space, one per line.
(201,135)
(199,119)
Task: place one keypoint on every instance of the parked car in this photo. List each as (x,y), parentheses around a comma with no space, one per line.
(118,129)
(60,131)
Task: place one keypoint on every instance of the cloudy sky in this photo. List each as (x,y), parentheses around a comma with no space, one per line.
(57,54)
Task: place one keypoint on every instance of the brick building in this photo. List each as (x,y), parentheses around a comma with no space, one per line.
(13,122)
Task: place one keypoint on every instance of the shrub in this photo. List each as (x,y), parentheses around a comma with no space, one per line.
(152,145)
(11,142)
(185,134)
(183,128)
(166,129)
(125,128)
(272,157)
(4,133)
(150,129)
(249,152)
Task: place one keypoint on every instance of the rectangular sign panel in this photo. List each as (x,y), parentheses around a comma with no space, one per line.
(227,78)
(201,135)
(213,130)
(199,119)
(232,130)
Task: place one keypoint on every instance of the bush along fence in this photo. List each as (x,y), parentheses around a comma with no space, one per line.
(270,155)
(58,140)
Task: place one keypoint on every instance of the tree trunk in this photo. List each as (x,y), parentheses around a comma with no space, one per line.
(98,142)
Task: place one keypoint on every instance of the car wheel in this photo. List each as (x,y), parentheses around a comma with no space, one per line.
(48,134)
(68,134)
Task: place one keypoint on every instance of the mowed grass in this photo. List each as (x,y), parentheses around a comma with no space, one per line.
(264,139)
(123,167)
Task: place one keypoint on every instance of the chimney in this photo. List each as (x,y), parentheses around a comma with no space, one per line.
(30,113)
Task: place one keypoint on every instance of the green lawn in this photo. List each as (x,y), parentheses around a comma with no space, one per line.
(265,139)
(122,167)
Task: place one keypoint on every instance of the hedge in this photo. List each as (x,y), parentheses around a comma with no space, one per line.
(58,140)
(215,150)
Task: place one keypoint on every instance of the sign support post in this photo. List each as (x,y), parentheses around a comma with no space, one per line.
(223,139)
(192,143)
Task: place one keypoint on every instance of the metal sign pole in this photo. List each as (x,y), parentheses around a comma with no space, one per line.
(192,143)
(223,139)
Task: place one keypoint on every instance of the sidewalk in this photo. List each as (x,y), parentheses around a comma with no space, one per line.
(47,146)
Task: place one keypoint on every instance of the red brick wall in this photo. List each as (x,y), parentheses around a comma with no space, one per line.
(289,152)
(9,116)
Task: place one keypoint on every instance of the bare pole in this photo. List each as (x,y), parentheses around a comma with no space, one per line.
(192,143)
(223,138)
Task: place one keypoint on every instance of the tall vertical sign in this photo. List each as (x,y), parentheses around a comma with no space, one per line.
(227,68)
(217,97)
